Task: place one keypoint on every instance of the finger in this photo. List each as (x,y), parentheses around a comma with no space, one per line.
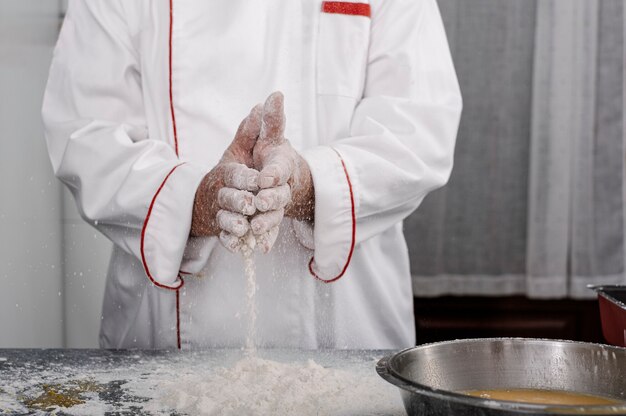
(273,122)
(230,241)
(248,242)
(266,241)
(273,176)
(239,176)
(264,222)
(236,200)
(272,198)
(233,223)
(276,171)
(250,128)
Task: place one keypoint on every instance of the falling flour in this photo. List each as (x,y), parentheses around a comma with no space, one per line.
(250,271)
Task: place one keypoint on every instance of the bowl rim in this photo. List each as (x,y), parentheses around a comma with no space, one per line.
(385,369)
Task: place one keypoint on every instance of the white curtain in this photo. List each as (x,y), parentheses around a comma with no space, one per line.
(536,203)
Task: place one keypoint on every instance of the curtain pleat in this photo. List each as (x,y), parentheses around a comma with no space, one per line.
(562,128)
(597,247)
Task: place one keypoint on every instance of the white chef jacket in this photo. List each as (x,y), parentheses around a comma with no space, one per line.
(143,98)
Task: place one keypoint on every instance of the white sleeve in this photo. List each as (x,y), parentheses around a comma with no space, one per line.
(128,184)
(401,140)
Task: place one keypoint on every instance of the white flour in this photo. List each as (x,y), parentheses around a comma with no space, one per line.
(254,386)
(250,271)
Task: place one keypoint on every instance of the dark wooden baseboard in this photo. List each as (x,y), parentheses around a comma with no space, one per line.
(446,318)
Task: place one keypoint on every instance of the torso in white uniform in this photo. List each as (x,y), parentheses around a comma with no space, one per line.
(345,83)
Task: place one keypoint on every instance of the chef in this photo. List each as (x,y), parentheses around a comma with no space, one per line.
(151,123)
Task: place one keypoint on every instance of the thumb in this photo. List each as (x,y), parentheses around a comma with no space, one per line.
(277,169)
(273,122)
(249,130)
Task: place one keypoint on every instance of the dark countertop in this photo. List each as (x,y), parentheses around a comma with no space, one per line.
(131,382)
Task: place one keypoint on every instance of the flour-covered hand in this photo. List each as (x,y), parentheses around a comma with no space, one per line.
(225,197)
(285,182)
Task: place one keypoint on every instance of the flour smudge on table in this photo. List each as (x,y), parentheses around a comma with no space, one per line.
(148,382)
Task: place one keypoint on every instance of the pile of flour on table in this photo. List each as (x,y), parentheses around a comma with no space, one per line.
(256,386)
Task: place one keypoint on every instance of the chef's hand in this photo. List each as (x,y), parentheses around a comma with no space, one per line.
(285,182)
(225,196)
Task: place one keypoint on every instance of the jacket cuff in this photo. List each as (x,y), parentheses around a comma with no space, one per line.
(167,224)
(335,213)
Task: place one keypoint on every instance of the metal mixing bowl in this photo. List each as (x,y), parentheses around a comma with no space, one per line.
(429,376)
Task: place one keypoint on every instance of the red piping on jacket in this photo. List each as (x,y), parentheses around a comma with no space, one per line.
(143,235)
(178,319)
(353,242)
(175,129)
(344,7)
(170,78)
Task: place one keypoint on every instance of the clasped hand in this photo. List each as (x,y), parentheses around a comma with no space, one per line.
(259,179)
